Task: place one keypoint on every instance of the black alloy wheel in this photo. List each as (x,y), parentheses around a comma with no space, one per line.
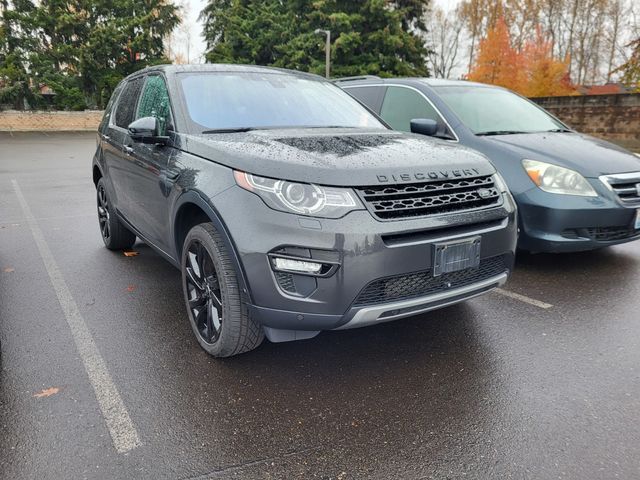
(219,317)
(114,234)
(205,295)
(103,213)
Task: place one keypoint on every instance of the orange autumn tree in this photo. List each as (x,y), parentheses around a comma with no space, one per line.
(498,63)
(546,76)
(532,71)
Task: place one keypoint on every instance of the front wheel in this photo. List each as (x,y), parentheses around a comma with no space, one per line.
(218,317)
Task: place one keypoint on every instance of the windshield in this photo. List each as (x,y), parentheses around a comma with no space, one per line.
(493,110)
(235,100)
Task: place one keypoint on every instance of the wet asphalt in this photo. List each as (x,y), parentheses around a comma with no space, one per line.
(492,388)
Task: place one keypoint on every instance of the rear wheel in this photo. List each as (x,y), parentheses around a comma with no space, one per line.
(114,234)
(218,317)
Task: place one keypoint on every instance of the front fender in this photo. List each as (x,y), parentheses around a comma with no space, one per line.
(196,198)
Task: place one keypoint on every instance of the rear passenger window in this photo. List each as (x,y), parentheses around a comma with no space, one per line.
(127,102)
(401,105)
(154,102)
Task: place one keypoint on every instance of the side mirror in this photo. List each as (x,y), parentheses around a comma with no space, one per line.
(424,126)
(145,130)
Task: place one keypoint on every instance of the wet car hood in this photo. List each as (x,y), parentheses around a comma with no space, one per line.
(342,157)
(587,155)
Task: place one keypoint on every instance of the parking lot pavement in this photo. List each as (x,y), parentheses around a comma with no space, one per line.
(538,381)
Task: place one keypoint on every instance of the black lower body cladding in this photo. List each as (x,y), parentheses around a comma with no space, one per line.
(368,271)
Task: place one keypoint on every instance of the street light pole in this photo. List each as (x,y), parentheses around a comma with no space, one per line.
(327,51)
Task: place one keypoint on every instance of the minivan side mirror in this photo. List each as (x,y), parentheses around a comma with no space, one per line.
(145,130)
(424,126)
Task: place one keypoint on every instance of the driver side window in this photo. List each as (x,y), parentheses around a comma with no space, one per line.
(402,104)
(154,102)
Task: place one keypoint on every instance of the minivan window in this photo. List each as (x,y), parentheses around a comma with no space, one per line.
(370,96)
(233,100)
(402,104)
(127,103)
(154,102)
(486,109)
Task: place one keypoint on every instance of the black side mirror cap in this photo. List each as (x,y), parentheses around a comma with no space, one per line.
(145,130)
(424,126)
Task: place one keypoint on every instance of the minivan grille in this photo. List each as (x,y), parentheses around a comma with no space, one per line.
(403,287)
(626,187)
(388,202)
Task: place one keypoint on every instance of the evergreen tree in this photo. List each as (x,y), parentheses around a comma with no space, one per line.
(81,49)
(368,37)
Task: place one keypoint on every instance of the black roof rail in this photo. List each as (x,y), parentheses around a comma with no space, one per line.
(356,77)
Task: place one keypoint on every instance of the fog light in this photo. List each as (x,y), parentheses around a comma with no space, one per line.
(290,265)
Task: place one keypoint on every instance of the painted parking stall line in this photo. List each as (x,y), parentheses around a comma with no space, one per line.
(523,298)
(123,433)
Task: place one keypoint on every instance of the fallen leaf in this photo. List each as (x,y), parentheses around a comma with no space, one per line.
(47,392)
(8,270)
(131,288)
(130,253)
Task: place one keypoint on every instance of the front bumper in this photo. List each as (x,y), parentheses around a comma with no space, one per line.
(367,250)
(566,223)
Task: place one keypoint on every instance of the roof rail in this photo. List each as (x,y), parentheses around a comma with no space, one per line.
(356,77)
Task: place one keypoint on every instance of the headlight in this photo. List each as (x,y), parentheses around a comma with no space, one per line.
(555,179)
(300,198)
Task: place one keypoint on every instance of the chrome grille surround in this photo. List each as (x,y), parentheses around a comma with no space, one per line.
(626,186)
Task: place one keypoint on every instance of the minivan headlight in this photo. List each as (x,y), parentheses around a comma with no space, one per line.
(555,179)
(300,198)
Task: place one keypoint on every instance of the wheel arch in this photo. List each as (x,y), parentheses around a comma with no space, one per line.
(192,209)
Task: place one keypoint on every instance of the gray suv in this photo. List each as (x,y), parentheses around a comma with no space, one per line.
(289,207)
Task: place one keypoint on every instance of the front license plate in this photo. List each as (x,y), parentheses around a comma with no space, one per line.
(637,226)
(455,256)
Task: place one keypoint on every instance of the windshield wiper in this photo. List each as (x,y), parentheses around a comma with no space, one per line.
(230,130)
(498,132)
(559,130)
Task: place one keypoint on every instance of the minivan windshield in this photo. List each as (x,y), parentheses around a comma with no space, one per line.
(240,101)
(493,111)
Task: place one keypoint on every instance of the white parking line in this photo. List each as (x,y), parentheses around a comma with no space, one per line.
(123,432)
(523,298)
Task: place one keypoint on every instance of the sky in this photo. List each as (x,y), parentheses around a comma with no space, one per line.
(191,44)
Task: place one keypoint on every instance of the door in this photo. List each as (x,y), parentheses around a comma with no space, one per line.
(403,104)
(113,140)
(147,165)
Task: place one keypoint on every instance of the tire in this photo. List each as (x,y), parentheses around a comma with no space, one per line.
(219,319)
(114,234)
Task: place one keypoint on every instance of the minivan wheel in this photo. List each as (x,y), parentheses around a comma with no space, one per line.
(218,317)
(114,234)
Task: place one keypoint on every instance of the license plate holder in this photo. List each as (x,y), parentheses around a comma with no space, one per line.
(637,222)
(456,255)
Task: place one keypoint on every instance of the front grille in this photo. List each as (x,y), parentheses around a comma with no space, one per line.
(607,234)
(601,234)
(626,187)
(404,287)
(430,198)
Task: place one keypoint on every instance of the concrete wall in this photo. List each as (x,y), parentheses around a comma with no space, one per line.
(15,121)
(612,117)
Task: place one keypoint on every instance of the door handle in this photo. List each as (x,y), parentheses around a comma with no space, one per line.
(128,150)
(106,137)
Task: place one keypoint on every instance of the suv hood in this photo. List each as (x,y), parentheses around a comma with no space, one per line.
(587,155)
(340,157)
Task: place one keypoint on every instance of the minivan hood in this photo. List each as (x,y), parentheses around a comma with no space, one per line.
(587,155)
(341,157)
